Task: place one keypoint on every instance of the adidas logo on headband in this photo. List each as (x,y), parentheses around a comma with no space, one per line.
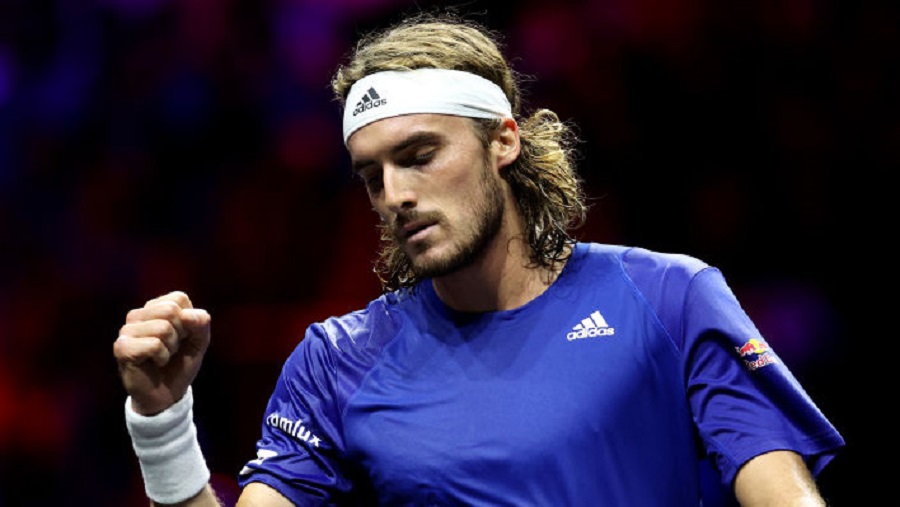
(421,91)
(369,100)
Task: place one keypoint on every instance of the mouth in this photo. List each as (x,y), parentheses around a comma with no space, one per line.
(414,229)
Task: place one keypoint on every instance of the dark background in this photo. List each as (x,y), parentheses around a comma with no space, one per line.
(153,145)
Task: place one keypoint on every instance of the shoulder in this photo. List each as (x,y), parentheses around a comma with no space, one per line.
(340,345)
(642,262)
(636,258)
(664,281)
(363,329)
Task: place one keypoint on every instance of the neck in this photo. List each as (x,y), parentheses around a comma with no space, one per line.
(499,279)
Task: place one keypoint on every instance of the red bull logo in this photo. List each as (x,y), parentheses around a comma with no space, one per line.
(753,346)
(756,353)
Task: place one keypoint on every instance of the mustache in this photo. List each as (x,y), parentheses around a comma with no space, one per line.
(397,222)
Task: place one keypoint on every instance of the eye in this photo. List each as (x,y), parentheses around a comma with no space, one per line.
(424,158)
(373,182)
(371,178)
(419,158)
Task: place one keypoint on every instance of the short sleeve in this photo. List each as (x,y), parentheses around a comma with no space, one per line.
(744,399)
(299,452)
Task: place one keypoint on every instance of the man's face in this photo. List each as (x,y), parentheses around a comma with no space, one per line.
(434,186)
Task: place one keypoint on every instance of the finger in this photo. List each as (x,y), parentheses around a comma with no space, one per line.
(177,296)
(161,309)
(159,329)
(137,350)
(196,322)
(195,319)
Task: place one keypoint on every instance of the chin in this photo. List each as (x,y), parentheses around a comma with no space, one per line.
(432,264)
(428,266)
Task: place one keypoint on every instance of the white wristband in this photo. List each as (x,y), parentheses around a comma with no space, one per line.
(166,445)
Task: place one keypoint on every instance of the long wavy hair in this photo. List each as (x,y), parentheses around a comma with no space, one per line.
(549,193)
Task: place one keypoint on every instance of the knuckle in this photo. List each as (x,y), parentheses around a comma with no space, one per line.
(158,346)
(180,297)
(163,309)
(169,310)
(119,347)
(133,315)
(161,329)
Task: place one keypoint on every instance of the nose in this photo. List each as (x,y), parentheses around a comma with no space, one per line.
(398,193)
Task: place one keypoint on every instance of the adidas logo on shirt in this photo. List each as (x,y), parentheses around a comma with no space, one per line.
(369,100)
(591,326)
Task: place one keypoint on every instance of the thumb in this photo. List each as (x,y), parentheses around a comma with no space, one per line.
(196,322)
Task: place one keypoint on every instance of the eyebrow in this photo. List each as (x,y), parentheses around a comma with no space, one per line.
(413,139)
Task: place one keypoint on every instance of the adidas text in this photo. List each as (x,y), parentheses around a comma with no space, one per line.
(591,326)
(368,105)
(590,333)
(369,100)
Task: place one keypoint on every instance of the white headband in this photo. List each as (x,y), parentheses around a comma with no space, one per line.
(394,93)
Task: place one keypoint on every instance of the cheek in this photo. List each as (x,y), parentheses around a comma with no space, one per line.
(383,215)
(378,208)
(462,178)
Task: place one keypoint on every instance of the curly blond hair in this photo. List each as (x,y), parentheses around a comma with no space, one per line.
(548,191)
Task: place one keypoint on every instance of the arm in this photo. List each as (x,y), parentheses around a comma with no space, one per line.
(746,401)
(159,351)
(254,495)
(205,498)
(777,479)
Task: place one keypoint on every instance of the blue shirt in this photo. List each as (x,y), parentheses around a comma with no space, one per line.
(618,385)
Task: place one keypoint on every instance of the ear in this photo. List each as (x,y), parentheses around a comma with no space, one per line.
(506,145)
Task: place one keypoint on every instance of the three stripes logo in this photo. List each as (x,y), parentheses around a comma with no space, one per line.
(369,100)
(591,326)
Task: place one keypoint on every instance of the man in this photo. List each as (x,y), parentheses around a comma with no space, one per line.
(505,363)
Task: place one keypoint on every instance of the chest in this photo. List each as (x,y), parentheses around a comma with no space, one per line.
(504,400)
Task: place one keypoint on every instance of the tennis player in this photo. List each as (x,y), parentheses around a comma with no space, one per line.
(506,363)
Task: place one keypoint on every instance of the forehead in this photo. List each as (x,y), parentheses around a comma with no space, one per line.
(389,133)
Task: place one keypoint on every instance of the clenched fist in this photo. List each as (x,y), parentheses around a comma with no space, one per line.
(159,351)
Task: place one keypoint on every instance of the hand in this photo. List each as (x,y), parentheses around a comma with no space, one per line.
(159,351)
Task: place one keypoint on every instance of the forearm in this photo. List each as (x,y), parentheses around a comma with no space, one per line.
(205,498)
(777,479)
(172,463)
(159,351)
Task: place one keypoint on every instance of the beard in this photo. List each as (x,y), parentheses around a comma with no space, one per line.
(485,217)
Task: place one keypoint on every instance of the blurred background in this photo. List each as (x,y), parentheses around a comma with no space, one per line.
(154,145)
